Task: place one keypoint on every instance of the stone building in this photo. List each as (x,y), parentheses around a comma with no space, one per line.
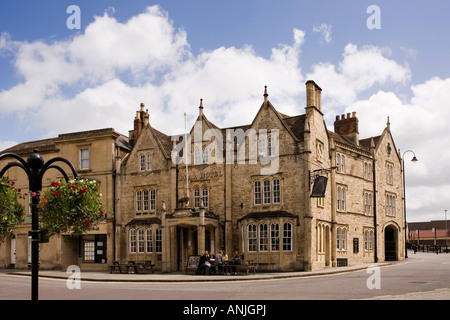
(252,189)
(94,155)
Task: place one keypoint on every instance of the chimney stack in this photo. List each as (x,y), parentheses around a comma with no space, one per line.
(347,126)
(313,95)
(141,119)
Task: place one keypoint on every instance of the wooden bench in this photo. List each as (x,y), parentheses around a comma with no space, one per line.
(146,266)
(124,266)
(250,266)
(115,266)
(247,267)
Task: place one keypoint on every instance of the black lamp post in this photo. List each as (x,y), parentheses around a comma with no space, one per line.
(35,168)
(414,159)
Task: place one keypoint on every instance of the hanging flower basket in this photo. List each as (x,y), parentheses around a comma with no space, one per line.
(73,206)
(11,211)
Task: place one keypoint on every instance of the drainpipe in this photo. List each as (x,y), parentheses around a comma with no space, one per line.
(374,176)
(114,218)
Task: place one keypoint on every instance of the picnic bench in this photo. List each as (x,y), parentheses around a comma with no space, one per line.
(248,266)
(135,266)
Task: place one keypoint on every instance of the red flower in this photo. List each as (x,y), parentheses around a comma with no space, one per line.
(101,213)
(71,186)
(81,191)
(57,193)
(55,184)
(87,223)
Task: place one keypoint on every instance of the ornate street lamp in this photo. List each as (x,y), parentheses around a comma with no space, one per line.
(35,168)
(414,159)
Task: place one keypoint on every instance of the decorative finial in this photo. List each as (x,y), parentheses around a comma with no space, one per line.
(388,124)
(265,94)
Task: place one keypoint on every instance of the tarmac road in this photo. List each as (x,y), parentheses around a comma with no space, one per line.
(421,276)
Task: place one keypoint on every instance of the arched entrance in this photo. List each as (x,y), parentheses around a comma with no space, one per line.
(390,243)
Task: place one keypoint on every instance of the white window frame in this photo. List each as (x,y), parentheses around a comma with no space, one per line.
(132,241)
(257,196)
(148,162)
(205,197)
(287,236)
(84,158)
(148,240)
(266,192)
(196,197)
(276,188)
(138,194)
(275,237)
(252,238)
(263,237)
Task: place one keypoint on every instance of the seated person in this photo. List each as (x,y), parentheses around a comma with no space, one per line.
(218,263)
(204,264)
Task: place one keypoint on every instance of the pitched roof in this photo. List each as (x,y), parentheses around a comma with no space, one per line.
(49,145)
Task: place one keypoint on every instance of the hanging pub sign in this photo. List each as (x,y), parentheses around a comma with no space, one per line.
(319,187)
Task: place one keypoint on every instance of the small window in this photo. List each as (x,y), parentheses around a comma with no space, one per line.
(84,159)
(257,192)
(263,237)
(149,241)
(368,171)
(140,240)
(287,237)
(152,200)
(390,205)
(341,195)
(205,197)
(271,146)
(132,240)
(196,197)
(276,191)
(205,155)
(251,236)
(145,202)
(266,191)
(158,241)
(142,162)
(390,173)
(138,200)
(89,251)
(368,203)
(340,163)
(197,158)
(262,147)
(274,237)
(148,162)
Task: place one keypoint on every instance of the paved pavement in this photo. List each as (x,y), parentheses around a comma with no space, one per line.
(182,277)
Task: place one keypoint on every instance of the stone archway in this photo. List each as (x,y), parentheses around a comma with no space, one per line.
(390,243)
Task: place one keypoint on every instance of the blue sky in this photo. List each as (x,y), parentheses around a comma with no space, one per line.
(169,54)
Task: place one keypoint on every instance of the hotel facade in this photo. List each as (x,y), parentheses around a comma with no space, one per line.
(283,191)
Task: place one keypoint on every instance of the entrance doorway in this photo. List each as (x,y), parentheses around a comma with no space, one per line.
(390,244)
(186,245)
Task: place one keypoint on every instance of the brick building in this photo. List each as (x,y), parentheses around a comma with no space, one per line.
(250,189)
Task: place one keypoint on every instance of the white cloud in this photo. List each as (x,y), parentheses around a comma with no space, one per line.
(98,79)
(90,75)
(419,125)
(325,30)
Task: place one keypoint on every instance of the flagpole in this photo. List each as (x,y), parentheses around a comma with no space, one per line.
(186,156)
